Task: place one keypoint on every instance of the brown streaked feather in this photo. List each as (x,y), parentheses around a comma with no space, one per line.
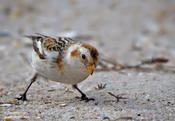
(75,53)
(58,44)
(60,64)
(50,44)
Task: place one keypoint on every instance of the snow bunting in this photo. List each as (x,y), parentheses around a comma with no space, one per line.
(63,60)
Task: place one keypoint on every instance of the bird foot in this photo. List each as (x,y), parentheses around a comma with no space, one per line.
(22,97)
(85,98)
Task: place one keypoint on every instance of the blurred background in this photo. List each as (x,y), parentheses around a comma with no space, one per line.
(118,26)
(125,30)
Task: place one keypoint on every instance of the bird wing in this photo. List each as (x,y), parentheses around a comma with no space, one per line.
(49,47)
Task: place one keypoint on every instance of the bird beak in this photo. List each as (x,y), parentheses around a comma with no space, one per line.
(90,68)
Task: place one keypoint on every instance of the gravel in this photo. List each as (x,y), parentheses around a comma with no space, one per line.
(127,31)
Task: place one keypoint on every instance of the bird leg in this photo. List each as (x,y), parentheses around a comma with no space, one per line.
(83,96)
(23,96)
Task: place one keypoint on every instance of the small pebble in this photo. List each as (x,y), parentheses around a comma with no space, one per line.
(138,114)
(7,119)
(5,105)
(14,101)
(25,102)
(96,103)
(63,105)
(106,118)
(72,117)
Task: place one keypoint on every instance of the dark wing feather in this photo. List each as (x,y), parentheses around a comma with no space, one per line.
(35,40)
(42,43)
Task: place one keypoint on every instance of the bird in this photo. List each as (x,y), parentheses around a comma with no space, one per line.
(63,60)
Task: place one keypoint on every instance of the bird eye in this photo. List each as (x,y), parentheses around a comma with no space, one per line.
(83,56)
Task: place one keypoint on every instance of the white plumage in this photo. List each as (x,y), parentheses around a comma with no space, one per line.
(62,60)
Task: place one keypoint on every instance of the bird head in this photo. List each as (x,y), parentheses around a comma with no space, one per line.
(85,55)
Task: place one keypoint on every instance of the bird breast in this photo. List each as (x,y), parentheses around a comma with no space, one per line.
(58,71)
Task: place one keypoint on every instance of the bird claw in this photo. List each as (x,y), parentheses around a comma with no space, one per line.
(85,98)
(22,97)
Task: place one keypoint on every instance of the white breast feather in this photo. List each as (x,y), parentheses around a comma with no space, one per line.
(49,70)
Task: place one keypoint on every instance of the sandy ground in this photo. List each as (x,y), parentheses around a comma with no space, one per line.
(128,31)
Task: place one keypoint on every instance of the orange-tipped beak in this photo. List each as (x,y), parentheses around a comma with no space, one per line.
(90,68)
